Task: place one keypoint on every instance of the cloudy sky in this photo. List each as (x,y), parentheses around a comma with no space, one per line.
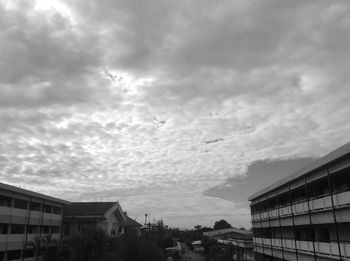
(178,108)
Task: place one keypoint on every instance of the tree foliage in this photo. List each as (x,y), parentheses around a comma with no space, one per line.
(221,224)
(95,245)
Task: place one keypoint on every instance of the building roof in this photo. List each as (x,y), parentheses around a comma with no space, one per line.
(88,208)
(32,193)
(229,233)
(130,222)
(318,163)
(235,235)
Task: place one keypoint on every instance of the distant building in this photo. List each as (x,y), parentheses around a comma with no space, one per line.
(27,217)
(241,240)
(107,216)
(306,216)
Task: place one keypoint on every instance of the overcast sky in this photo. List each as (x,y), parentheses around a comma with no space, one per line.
(167,105)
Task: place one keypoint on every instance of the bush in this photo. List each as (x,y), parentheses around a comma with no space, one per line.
(89,245)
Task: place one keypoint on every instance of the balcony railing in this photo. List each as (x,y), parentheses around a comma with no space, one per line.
(323,202)
(324,248)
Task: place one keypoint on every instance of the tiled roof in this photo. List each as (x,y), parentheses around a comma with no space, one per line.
(130,222)
(88,208)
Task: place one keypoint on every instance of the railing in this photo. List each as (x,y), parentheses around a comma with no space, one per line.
(317,203)
(324,248)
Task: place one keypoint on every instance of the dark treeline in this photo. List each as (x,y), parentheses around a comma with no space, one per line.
(95,245)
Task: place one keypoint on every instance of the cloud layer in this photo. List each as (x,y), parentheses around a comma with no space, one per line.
(152,103)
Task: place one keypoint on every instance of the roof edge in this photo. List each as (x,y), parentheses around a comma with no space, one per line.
(318,163)
(32,193)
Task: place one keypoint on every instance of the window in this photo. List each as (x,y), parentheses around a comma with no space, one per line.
(55,229)
(304,234)
(20,203)
(283,199)
(341,181)
(4,228)
(14,255)
(318,188)
(298,194)
(57,210)
(66,229)
(35,206)
(45,230)
(27,253)
(33,229)
(47,208)
(17,229)
(322,234)
(5,201)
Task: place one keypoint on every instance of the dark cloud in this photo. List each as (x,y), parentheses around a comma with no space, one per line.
(259,175)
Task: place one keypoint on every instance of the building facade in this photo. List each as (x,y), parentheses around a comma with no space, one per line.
(26,218)
(107,216)
(305,216)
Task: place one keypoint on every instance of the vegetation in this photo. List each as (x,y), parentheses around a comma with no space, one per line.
(95,245)
(221,224)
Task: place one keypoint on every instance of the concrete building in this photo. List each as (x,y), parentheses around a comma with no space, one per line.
(107,216)
(27,217)
(306,216)
(241,240)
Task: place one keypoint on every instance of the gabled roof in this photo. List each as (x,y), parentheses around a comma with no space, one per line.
(130,222)
(88,208)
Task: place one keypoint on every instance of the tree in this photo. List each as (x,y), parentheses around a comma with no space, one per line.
(40,243)
(167,241)
(197,227)
(89,245)
(140,249)
(207,243)
(221,224)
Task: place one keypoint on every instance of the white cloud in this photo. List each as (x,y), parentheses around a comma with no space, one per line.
(118,99)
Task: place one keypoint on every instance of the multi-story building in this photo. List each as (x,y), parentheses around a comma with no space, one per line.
(26,218)
(107,216)
(305,216)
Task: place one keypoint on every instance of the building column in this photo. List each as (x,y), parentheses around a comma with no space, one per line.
(330,186)
(9,228)
(268,216)
(279,223)
(261,227)
(293,224)
(309,214)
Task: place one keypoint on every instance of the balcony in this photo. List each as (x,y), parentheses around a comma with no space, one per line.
(306,247)
(319,203)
